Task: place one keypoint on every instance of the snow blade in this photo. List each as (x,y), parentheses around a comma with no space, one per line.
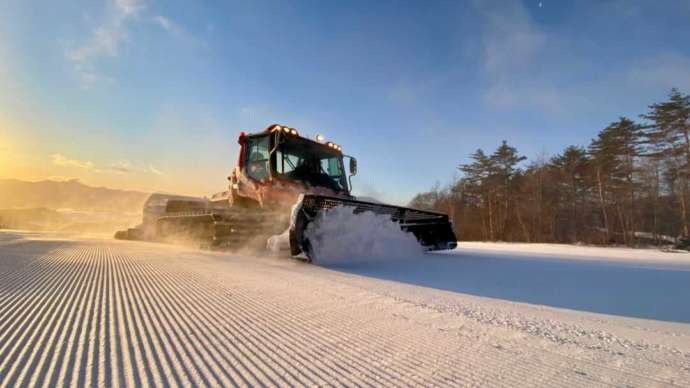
(433,230)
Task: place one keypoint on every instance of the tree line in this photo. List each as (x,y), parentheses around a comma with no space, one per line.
(630,185)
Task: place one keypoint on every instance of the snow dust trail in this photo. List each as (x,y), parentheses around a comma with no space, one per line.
(103,313)
(339,236)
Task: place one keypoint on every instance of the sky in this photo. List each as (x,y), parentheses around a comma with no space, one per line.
(151,95)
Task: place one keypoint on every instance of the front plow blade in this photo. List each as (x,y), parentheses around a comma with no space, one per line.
(433,230)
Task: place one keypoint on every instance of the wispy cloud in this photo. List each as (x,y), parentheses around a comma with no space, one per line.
(62,160)
(106,39)
(666,71)
(121,167)
(155,171)
(126,167)
(513,47)
(511,41)
(103,42)
(164,22)
(61,178)
(177,31)
(129,7)
(118,167)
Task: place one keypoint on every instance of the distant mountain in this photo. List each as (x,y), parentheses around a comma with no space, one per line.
(72,194)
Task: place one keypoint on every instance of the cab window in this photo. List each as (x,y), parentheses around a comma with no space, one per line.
(287,162)
(331,166)
(257,161)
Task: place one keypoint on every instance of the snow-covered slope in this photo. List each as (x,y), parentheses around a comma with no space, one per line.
(103,312)
(636,283)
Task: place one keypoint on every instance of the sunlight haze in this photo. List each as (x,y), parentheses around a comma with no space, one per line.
(151,95)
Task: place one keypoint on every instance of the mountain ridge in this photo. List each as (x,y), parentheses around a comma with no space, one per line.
(69,194)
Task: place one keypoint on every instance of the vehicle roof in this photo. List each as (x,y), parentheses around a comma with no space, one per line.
(269,130)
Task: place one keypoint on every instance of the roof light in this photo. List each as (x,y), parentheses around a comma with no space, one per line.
(275,128)
(286,129)
(293,131)
(320,138)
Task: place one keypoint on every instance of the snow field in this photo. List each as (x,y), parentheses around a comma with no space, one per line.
(113,313)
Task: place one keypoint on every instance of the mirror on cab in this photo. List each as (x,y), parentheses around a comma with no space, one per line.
(353,166)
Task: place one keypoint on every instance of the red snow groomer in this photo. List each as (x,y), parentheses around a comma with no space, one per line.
(281,181)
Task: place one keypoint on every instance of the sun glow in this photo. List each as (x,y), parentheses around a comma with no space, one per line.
(5,157)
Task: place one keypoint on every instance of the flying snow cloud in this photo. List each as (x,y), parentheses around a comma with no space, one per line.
(341,237)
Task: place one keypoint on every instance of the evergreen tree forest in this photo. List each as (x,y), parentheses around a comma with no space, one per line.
(629,186)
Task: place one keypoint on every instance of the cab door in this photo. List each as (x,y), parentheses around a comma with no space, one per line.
(258,157)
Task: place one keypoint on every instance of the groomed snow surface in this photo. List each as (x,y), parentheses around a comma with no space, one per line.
(76,311)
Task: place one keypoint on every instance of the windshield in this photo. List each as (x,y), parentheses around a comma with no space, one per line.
(301,160)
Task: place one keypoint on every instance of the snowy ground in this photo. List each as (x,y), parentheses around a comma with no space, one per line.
(101,312)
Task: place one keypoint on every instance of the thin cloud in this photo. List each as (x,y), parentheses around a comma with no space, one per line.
(104,41)
(107,38)
(511,40)
(177,31)
(62,178)
(126,167)
(512,48)
(155,171)
(664,71)
(129,7)
(121,167)
(164,22)
(62,160)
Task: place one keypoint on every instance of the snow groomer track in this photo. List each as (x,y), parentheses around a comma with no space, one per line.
(110,313)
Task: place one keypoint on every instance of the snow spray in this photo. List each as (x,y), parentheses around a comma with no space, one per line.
(339,236)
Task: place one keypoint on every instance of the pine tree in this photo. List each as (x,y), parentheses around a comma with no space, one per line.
(613,155)
(631,178)
(476,186)
(504,162)
(668,137)
(570,175)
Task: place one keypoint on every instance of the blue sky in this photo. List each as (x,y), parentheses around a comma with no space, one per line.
(151,95)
